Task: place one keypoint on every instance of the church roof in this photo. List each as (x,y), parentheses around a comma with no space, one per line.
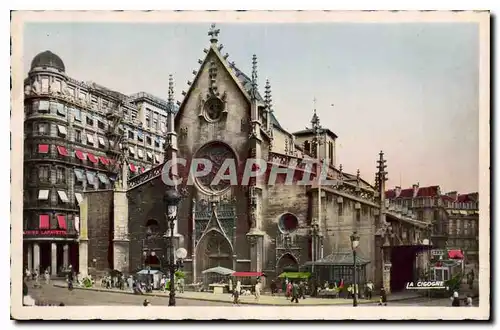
(310,131)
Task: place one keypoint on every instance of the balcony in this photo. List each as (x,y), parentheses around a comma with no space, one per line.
(49,204)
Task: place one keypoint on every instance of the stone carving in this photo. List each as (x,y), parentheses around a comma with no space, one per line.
(64,88)
(36,86)
(216,153)
(183,133)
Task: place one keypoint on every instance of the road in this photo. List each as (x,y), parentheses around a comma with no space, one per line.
(425,301)
(54,295)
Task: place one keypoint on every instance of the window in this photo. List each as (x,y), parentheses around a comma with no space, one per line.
(340,207)
(90,139)
(148,140)
(148,122)
(157,143)
(60,109)
(358,215)
(155,124)
(78,136)
(77,114)
(45,85)
(131,135)
(43,129)
(101,125)
(61,175)
(44,173)
(140,137)
(90,121)
(82,95)
(43,106)
(61,131)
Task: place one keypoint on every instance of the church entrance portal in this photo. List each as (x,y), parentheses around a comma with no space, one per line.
(287,263)
(213,251)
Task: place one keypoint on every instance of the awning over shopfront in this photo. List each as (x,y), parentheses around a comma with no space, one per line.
(61,222)
(92,158)
(44,221)
(455,254)
(62,151)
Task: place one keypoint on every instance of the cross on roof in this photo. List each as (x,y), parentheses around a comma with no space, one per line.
(213,33)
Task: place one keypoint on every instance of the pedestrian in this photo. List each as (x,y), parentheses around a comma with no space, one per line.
(62,304)
(236,293)
(455,300)
(47,276)
(468,301)
(273,287)
(302,290)
(369,290)
(295,293)
(289,287)
(230,286)
(146,303)
(470,279)
(383,298)
(257,290)
(162,283)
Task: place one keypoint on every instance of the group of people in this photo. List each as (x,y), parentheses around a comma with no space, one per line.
(456,300)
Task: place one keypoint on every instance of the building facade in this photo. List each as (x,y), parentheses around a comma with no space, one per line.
(73,145)
(259,227)
(454,218)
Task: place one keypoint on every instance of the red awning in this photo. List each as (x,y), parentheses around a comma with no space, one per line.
(62,151)
(61,221)
(104,160)
(80,155)
(92,158)
(44,221)
(132,167)
(247,274)
(455,254)
(43,148)
(143,170)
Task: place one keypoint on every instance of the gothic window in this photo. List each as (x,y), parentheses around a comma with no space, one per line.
(217,154)
(213,109)
(288,223)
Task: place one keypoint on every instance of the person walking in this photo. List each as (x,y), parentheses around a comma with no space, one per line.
(455,300)
(236,293)
(302,290)
(257,291)
(27,300)
(383,298)
(369,290)
(47,276)
(289,287)
(295,293)
(146,303)
(273,287)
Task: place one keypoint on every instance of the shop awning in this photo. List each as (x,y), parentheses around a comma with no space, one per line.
(62,151)
(79,197)
(79,175)
(43,148)
(80,155)
(61,222)
(44,221)
(103,178)
(62,130)
(104,160)
(247,274)
(63,196)
(91,178)
(132,167)
(43,195)
(92,158)
(455,254)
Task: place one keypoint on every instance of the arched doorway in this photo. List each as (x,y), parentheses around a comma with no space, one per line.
(287,263)
(212,251)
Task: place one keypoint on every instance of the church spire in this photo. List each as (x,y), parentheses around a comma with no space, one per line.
(268,99)
(213,33)
(170,92)
(254,77)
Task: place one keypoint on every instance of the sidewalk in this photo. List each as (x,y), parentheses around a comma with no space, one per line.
(244,300)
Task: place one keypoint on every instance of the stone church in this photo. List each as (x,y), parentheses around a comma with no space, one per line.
(258,227)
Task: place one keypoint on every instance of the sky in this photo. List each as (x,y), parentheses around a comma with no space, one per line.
(411,90)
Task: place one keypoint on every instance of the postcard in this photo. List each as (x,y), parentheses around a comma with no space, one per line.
(323,165)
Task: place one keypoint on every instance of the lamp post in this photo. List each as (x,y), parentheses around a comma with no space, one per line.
(172,199)
(354,245)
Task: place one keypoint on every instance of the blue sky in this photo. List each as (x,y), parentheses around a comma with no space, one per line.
(408,89)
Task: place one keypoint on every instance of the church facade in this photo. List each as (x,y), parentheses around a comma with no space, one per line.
(259,227)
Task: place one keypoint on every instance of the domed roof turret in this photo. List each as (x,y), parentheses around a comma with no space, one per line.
(48,59)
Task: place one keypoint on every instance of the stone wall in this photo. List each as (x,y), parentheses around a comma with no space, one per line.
(99,226)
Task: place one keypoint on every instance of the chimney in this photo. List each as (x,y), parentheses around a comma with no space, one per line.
(398,191)
(415,190)
(452,194)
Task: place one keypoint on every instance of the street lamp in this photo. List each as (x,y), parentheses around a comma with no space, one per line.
(354,246)
(172,199)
